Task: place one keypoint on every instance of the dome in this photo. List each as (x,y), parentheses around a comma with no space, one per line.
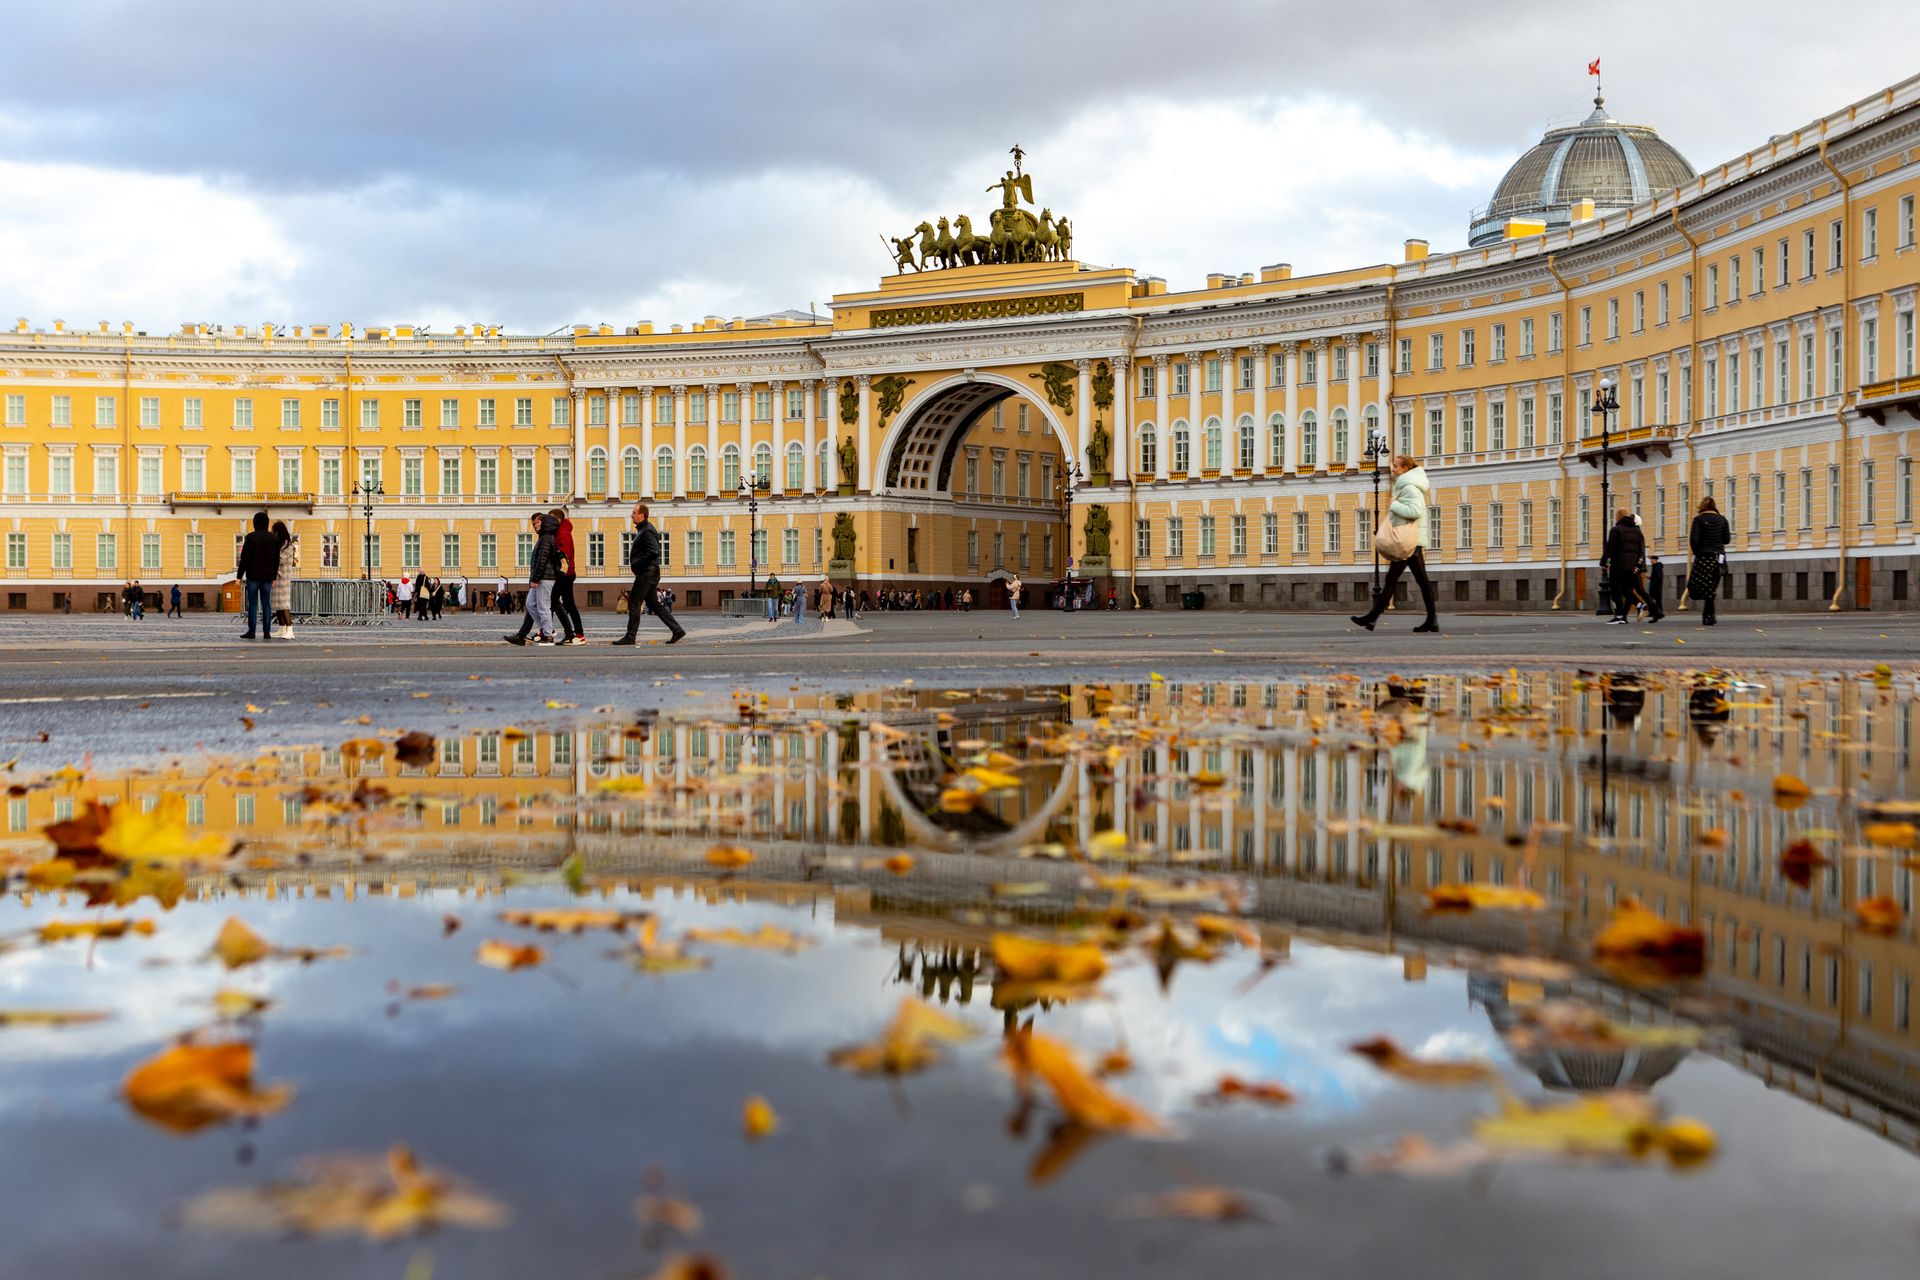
(1615,165)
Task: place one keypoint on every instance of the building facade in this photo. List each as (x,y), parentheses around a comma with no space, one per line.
(978,421)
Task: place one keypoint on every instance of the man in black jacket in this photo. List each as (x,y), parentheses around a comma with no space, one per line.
(543,569)
(644,559)
(1626,547)
(259,566)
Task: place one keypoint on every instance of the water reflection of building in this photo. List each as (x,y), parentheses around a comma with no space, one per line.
(1566,1065)
(1304,801)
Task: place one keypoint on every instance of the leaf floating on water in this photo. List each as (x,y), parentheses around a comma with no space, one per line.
(191,1086)
(379,1197)
(496,954)
(767,937)
(53,1018)
(1400,1064)
(363,750)
(668,1213)
(652,954)
(1032,1055)
(414,749)
(237,945)
(1639,946)
(1602,1126)
(1568,1024)
(1483,897)
(1202,1204)
(626,785)
(1790,792)
(1898,835)
(910,1043)
(758,1119)
(232,1005)
(1231,1088)
(568,919)
(728,856)
(1018,888)
(1032,960)
(1880,915)
(161,834)
(62,930)
(1798,862)
(692,1267)
(899,864)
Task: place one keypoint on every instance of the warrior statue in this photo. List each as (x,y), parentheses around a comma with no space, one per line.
(1099,446)
(849,462)
(1063,229)
(903,252)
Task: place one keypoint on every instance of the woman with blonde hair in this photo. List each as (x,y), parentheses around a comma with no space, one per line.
(1402,539)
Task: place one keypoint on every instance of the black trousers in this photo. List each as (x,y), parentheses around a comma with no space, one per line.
(565,611)
(1418,563)
(641,597)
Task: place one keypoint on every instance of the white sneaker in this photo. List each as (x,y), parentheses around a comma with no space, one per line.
(545,640)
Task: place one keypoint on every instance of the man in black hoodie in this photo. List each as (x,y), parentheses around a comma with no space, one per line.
(1626,547)
(259,565)
(544,568)
(644,558)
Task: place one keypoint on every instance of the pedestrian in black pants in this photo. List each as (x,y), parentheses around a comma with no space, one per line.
(1407,516)
(1626,548)
(1707,539)
(1657,587)
(643,557)
(173,603)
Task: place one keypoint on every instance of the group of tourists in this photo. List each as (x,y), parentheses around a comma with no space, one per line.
(1635,581)
(552,572)
(269,558)
(422,597)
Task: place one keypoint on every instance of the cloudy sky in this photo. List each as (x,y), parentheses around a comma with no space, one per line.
(533,165)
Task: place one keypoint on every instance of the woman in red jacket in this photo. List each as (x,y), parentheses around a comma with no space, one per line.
(565,611)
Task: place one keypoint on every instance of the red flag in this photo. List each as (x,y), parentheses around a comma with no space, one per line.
(1593,68)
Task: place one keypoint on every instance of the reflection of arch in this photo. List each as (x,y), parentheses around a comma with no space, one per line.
(918,451)
(928,832)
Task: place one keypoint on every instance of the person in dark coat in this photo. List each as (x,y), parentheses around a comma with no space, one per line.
(173,603)
(565,611)
(1657,587)
(643,557)
(541,571)
(259,565)
(1626,547)
(1707,539)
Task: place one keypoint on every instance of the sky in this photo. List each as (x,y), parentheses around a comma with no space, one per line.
(580,161)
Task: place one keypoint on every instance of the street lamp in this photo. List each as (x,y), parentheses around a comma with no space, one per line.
(1376,450)
(367,493)
(750,485)
(1070,477)
(1605,405)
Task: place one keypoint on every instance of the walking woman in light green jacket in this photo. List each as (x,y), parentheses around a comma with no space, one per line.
(1407,522)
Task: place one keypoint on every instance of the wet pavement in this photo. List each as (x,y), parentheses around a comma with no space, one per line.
(1209,889)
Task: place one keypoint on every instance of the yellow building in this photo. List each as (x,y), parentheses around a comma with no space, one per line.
(1757,320)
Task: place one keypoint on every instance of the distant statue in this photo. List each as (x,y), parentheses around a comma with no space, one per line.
(968,248)
(903,252)
(891,392)
(1064,230)
(849,461)
(1047,239)
(843,536)
(943,244)
(1012,188)
(1058,380)
(1099,448)
(1103,385)
(927,251)
(1099,531)
(849,401)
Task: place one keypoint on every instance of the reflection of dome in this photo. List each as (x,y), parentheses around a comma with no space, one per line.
(1630,1066)
(1614,165)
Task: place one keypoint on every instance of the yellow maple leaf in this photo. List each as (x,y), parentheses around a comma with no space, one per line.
(160,834)
(191,1086)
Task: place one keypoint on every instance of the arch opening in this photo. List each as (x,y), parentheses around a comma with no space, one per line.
(920,449)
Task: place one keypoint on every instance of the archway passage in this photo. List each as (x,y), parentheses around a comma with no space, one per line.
(925,447)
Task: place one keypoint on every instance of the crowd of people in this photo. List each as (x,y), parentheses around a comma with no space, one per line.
(422,597)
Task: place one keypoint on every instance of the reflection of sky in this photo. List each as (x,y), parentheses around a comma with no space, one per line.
(556,1087)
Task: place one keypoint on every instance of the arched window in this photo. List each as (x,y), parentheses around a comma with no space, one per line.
(663,471)
(1309,440)
(1246,444)
(1373,425)
(1149,450)
(730,469)
(820,471)
(596,470)
(630,470)
(763,465)
(1277,440)
(697,469)
(1211,459)
(796,467)
(1340,453)
(1181,456)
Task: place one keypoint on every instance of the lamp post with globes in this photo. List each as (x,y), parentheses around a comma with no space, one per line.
(1605,405)
(367,493)
(750,486)
(1375,452)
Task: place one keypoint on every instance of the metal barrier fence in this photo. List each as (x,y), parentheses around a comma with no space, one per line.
(348,601)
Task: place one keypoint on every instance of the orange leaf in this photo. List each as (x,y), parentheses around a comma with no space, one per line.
(757,1118)
(728,856)
(1086,1101)
(1031,960)
(1798,862)
(190,1086)
(568,919)
(1483,897)
(1231,1088)
(1879,915)
(910,1043)
(1649,945)
(496,954)
(1395,1061)
(61,930)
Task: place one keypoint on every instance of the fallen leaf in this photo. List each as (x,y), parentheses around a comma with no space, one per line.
(496,954)
(62,930)
(232,1005)
(910,1043)
(1032,1055)
(1483,897)
(757,1119)
(380,1197)
(414,749)
(1033,960)
(728,856)
(161,834)
(1607,1125)
(237,945)
(190,1086)
(1231,1088)
(51,1017)
(1789,792)
(1396,1062)
(767,937)
(1879,915)
(899,864)
(652,954)
(1798,862)
(1647,947)
(691,1267)
(1899,835)
(668,1213)
(1203,1204)
(569,919)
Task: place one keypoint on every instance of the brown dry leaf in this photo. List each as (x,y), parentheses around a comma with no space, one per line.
(728,856)
(758,1118)
(1647,947)
(1216,929)
(363,750)
(80,834)
(380,1197)
(496,954)
(51,1017)
(1231,1088)
(1798,862)
(238,946)
(414,749)
(1790,792)
(1202,1204)
(62,930)
(653,954)
(1397,1062)
(767,937)
(190,1086)
(899,864)
(910,1043)
(432,991)
(1031,1054)
(1483,897)
(691,1267)
(1879,915)
(568,919)
(1118,1062)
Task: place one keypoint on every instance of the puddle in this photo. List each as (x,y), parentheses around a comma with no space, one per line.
(1239,875)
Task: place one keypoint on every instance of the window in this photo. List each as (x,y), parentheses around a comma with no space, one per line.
(1499,343)
(1867,494)
(1181,451)
(1527,424)
(1497,425)
(562,411)
(1206,537)
(16,410)
(1639,310)
(1466,429)
(1436,351)
(1340,354)
(1310,365)
(412,417)
(1660,303)
(289,472)
(449,551)
(1270,534)
(104,411)
(449,474)
(1299,533)
(106,551)
(1833,497)
(369,415)
(63,411)
(193,474)
(1466,347)
(1759,269)
(149,481)
(999,475)
(413,476)
(1836,244)
(1556,418)
(409,551)
(1142,542)
(596,470)
(243,414)
(489,551)
(1466,526)
(1806,497)
(1309,440)
(562,473)
(1553,522)
(1869,350)
(1733,278)
(790,546)
(1212,438)
(1905,491)
(1436,432)
(1433,528)
(1245,434)
(243,473)
(1148,375)
(1554,333)
(289,414)
(523,411)
(730,466)
(1238,535)
(1180,377)
(1526,336)
(1373,359)
(697,469)
(1333,533)
(1835,380)
(1906,222)
(1903,360)
(796,404)
(729,550)
(196,551)
(663,471)
(486,475)
(1526,524)
(1213,375)
(1403,358)
(1613,318)
(1713,284)
(729,410)
(1496,525)
(523,474)
(16,551)
(1176,538)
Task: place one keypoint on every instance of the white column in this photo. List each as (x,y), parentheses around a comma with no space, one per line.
(866,760)
(831,480)
(646,441)
(713,436)
(680,442)
(745,391)
(1163,429)
(812,767)
(777,474)
(1354,426)
(809,472)
(579,442)
(1121,463)
(613,441)
(1083,802)
(863,439)
(1260,767)
(1262,439)
(1195,375)
(1290,377)
(1084,430)
(1322,375)
(1290,780)
(1229,413)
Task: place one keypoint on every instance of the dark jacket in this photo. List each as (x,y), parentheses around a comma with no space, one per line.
(1626,546)
(1709,535)
(546,552)
(643,552)
(259,557)
(1657,579)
